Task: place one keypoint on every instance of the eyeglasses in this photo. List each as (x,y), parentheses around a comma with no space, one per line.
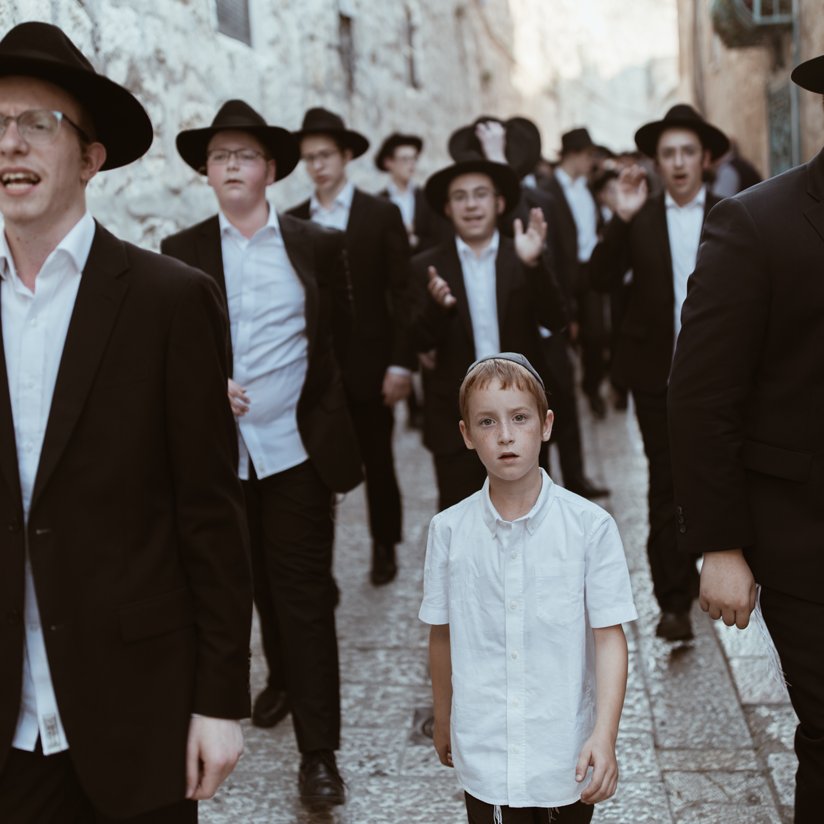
(246,157)
(322,156)
(479,195)
(39,126)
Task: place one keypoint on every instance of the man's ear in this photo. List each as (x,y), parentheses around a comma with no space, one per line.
(500,205)
(465,434)
(271,172)
(94,156)
(548,421)
(707,164)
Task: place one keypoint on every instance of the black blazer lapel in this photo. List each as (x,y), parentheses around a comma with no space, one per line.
(301,256)
(8,448)
(357,214)
(506,265)
(210,252)
(102,288)
(660,230)
(452,272)
(815,188)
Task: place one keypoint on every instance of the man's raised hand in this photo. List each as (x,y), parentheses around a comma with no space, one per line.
(529,242)
(631,193)
(439,289)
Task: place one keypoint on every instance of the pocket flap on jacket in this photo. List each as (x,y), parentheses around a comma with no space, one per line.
(157,615)
(773,460)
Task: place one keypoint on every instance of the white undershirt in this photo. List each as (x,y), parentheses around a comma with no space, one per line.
(684,229)
(405,201)
(479,275)
(584,211)
(34,333)
(267,318)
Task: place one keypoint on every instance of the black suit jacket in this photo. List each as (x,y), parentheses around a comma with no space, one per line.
(746,397)
(377,252)
(643,346)
(135,531)
(316,256)
(430,227)
(525,297)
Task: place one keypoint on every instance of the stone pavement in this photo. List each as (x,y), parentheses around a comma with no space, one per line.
(706,734)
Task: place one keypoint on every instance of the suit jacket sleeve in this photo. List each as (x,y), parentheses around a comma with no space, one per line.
(611,257)
(334,273)
(396,255)
(724,323)
(552,308)
(428,321)
(202,453)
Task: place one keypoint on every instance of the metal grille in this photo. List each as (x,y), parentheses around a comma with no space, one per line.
(772,12)
(779,108)
(233,19)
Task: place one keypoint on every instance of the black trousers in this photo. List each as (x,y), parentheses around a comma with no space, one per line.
(566,430)
(479,812)
(797,629)
(459,475)
(291,530)
(674,576)
(374,422)
(593,335)
(39,789)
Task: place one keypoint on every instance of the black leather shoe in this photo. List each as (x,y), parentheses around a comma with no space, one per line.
(270,707)
(384,569)
(319,781)
(586,489)
(674,626)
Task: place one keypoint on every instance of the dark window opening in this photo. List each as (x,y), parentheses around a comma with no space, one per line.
(411,68)
(347,49)
(233,19)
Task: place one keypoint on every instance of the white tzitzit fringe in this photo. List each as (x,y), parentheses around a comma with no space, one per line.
(773,659)
(497,815)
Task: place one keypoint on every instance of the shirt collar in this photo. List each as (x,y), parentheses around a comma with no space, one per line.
(566,181)
(343,200)
(77,243)
(699,200)
(464,250)
(533,519)
(394,191)
(226,225)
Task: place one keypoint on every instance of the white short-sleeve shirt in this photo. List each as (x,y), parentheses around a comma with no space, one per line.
(521,599)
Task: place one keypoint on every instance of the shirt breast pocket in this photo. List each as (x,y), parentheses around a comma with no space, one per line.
(559,599)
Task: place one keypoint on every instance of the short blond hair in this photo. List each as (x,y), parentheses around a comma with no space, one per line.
(508,373)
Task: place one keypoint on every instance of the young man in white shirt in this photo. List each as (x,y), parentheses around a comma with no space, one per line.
(377,372)
(288,304)
(657,238)
(123,570)
(526,587)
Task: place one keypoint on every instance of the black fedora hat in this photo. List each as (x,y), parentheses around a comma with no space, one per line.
(576,140)
(506,181)
(321,121)
(392,142)
(44,51)
(523,142)
(682,116)
(238,116)
(810,75)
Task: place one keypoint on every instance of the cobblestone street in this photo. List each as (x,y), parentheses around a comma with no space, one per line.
(706,733)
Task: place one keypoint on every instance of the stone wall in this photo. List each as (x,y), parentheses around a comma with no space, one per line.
(730,85)
(173,58)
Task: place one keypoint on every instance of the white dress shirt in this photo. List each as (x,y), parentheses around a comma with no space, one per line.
(405,201)
(521,599)
(480,282)
(34,333)
(584,211)
(267,318)
(684,228)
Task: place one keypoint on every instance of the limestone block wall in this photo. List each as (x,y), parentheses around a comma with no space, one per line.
(173,58)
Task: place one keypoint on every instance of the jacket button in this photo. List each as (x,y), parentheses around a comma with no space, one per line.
(682,529)
(13,526)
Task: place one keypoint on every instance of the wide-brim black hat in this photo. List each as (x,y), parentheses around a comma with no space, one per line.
(238,116)
(392,142)
(44,51)
(506,181)
(523,142)
(682,116)
(576,140)
(322,121)
(810,75)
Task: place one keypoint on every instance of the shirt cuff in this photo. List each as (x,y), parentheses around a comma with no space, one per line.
(600,618)
(399,370)
(433,615)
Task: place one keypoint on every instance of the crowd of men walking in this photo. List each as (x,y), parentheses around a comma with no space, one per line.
(135,494)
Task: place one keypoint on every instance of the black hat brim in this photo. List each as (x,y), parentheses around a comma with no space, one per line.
(810,75)
(192,145)
(121,123)
(506,182)
(354,141)
(712,138)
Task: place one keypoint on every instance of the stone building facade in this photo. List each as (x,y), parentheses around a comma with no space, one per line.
(430,65)
(738,73)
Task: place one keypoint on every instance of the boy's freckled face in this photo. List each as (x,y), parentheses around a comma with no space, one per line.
(506,429)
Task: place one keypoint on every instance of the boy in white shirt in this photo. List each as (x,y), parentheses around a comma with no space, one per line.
(526,587)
